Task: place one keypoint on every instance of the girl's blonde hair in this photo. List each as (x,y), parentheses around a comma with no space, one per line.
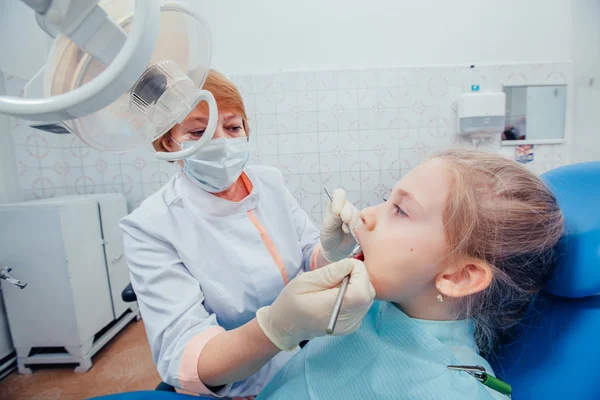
(500,213)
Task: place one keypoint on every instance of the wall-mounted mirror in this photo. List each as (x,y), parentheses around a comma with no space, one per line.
(535,114)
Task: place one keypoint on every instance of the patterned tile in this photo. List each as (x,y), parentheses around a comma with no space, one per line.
(362,129)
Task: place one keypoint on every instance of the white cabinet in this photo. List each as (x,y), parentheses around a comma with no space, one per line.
(69,251)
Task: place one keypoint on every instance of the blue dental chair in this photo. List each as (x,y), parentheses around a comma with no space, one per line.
(557,349)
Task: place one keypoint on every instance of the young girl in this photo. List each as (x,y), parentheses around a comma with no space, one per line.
(455,256)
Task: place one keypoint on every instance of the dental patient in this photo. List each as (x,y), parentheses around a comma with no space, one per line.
(455,255)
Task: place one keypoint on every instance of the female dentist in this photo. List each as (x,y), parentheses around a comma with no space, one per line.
(220,241)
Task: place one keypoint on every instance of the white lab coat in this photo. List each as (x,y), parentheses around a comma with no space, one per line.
(201,265)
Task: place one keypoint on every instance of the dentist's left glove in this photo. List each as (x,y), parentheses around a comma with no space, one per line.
(303,308)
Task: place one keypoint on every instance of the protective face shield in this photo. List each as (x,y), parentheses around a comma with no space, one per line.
(122,77)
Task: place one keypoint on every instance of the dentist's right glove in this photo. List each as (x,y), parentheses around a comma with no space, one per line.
(303,308)
(336,241)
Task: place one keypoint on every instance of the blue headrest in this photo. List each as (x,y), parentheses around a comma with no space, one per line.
(577,189)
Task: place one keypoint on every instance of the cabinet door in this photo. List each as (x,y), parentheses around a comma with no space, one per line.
(86,266)
(112,209)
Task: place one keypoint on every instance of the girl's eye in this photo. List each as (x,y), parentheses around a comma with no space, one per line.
(400,212)
(235,128)
(197,133)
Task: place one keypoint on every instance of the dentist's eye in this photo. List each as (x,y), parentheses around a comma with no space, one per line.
(197,133)
(400,212)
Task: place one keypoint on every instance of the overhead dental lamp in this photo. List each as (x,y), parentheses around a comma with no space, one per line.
(120,73)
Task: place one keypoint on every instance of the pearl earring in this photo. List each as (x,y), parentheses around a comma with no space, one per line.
(439,298)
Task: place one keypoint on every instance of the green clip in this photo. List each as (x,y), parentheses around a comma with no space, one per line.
(496,384)
(479,373)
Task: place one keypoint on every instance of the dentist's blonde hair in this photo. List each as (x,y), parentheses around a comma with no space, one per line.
(503,215)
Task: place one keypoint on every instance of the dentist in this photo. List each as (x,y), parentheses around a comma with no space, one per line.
(211,255)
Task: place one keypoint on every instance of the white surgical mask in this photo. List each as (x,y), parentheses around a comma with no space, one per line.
(217,164)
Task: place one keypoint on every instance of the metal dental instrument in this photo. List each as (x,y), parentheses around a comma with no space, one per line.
(356,253)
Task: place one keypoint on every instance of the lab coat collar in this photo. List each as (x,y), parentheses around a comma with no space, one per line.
(205,203)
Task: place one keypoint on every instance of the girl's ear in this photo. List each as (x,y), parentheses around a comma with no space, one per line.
(468,278)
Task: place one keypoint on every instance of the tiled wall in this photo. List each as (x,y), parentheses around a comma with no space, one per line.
(357,129)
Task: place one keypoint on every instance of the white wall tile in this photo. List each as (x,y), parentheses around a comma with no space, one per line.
(327,121)
(370,199)
(389,159)
(135,197)
(310,183)
(28,195)
(326,80)
(28,176)
(288,144)
(292,182)
(288,103)
(111,177)
(407,138)
(329,141)
(307,101)
(327,100)
(312,203)
(19,130)
(409,159)
(53,178)
(266,124)
(329,162)
(348,100)
(150,171)
(287,123)
(348,79)
(349,161)
(49,139)
(350,181)
(96,176)
(264,83)
(389,77)
(390,178)
(348,121)
(331,181)
(368,119)
(288,164)
(308,142)
(368,98)
(49,157)
(27,155)
(266,103)
(368,78)
(349,140)
(267,144)
(370,160)
(302,81)
(307,121)
(359,129)
(271,161)
(369,180)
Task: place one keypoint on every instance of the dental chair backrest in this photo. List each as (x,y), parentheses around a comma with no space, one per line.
(557,348)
